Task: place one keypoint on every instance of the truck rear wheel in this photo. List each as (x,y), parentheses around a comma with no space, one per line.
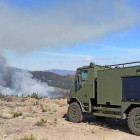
(74,113)
(134,121)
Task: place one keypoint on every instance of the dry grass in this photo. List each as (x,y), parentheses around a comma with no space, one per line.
(28,138)
(42,122)
(36,103)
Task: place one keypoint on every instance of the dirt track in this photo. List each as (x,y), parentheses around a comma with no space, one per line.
(57,126)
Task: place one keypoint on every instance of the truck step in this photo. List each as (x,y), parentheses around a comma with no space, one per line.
(107,115)
(86,107)
(107,109)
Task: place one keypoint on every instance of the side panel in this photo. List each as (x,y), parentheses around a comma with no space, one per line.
(109,87)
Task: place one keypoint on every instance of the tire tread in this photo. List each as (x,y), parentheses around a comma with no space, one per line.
(133,111)
(79,111)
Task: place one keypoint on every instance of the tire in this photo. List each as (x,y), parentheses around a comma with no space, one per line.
(134,121)
(74,113)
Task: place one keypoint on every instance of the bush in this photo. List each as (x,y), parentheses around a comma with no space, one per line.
(2,95)
(55,120)
(44,110)
(28,95)
(42,122)
(16,114)
(34,95)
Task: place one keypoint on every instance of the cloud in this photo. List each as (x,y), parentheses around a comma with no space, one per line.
(67,55)
(88,59)
(129,51)
(64,24)
(122,49)
(91,59)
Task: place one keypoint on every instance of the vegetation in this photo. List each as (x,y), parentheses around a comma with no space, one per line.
(16,114)
(42,122)
(36,103)
(28,138)
(55,120)
(35,95)
(44,110)
(2,95)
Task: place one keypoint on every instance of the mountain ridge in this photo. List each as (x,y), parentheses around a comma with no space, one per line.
(51,78)
(61,72)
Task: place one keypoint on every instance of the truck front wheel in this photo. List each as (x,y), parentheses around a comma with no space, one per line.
(74,113)
(134,121)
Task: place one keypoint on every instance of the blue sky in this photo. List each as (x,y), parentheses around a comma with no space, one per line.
(44,34)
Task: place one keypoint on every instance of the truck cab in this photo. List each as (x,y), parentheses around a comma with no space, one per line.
(107,91)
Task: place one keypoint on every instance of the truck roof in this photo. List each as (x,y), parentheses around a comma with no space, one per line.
(92,64)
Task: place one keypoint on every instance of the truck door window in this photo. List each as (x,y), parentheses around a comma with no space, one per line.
(84,75)
(77,84)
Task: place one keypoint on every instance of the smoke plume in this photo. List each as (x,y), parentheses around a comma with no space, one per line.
(20,82)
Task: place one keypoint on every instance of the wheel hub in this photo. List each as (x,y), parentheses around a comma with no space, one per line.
(136,122)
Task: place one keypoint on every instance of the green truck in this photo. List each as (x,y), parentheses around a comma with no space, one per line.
(111,91)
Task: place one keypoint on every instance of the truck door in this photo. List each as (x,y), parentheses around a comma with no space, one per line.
(82,87)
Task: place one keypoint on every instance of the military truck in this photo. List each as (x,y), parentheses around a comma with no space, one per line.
(111,91)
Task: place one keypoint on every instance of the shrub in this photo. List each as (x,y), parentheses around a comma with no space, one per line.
(55,120)
(2,95)
(42,122)
(28,96)
(16,114)
(34,95)
(44,110)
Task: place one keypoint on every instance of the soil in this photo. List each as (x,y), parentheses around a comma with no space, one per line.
(56,125)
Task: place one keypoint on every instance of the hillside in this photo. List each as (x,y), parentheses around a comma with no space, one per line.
(51,78)
(54,80)
(62,72)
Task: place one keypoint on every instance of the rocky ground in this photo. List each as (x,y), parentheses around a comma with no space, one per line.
(46,119)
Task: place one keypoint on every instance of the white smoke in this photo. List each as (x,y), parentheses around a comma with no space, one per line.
(20,82)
